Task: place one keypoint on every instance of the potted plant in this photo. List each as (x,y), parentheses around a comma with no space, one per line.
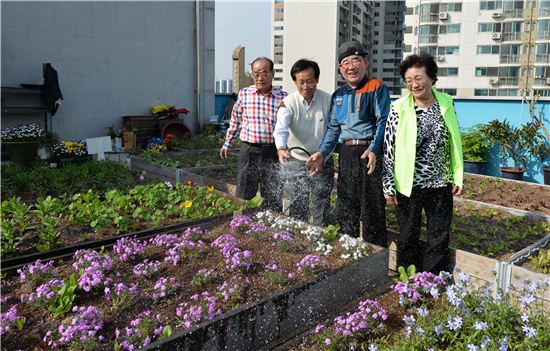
(515,143)
(70,151)
(22,142)
(543,149)
(475,148)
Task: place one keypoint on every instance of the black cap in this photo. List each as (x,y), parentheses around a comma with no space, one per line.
(350,48)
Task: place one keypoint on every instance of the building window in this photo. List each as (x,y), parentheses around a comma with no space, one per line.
(450,7)
(277,79)
(488,49)
(279,19)
(447,50)
(484,27)
(278,45)
(449,28)
(278,62)
(279,27)
(490,5)
(278,70)
(278,37)
(279,10)
(543,30)
(430,50)
(485,92)
(450,91)
(507,92)
(447,72)
(486,71)
(374,70)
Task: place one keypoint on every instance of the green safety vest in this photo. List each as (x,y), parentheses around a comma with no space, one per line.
(405,141)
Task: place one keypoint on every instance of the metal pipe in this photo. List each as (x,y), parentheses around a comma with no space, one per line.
(198,66)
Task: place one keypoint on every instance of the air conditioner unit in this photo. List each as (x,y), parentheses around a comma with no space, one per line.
(547,81)
(498,14)
(493,81)
(496,36)
(440,58)
(443,15)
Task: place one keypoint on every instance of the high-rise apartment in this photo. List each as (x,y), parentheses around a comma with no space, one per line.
(484,48)
(315,30)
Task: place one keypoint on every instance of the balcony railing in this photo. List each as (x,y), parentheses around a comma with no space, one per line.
(540,81)
(429,18)
(544,12)
(543,35)
(508,81)
(513,13)
(544,58)
(509,58)
(430,39)
(511,36)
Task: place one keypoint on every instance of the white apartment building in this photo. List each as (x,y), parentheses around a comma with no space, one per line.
(484,48)
(315,29)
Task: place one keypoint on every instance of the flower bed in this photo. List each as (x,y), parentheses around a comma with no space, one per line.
(177,283)
(434,314)
(42,181)
(53,222)
(189,159)
(519,195)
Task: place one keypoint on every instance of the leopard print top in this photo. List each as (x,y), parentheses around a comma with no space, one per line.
(433,156)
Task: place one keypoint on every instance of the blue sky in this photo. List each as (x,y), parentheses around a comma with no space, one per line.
(245,23)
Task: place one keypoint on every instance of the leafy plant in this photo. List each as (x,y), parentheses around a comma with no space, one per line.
(542,261)
(332,232)
(64,298)
(10,238)
(405,274)
(48,234)
(475,145)
(514,142)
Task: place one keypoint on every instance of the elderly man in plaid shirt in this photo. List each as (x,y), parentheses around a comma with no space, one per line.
(253,118)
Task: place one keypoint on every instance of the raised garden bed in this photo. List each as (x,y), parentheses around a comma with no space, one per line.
(42,181)
(422,313)
(202,286)
(183,160)
(514,194)
(55,222)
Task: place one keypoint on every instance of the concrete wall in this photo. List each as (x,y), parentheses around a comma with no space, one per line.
(113,58)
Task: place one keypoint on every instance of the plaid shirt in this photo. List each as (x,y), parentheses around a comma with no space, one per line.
(254,115)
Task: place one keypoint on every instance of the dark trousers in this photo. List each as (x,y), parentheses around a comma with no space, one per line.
(360,197)
(438,206)
(302,186)
(257,167)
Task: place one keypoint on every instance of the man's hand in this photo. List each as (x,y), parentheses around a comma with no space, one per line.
(314,164)
(223,153)
(371,157)
(391,200)
(456,190)
(283,155)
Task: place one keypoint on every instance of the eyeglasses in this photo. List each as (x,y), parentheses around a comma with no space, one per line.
(257,75)
(355,61)
(416,79)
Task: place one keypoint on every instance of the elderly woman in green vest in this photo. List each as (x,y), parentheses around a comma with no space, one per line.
(423,165)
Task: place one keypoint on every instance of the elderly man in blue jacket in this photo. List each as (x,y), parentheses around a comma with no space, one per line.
(358,119)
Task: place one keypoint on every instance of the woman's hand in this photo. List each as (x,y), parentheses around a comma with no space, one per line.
(390,200)
(456,190)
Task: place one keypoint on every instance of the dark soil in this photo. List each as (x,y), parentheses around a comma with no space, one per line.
(520,195)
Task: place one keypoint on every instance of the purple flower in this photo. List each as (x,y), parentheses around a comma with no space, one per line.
(369,317)
(146,268)
(203,307)
(454,323)
(328,341)
(34,268)
(480,325)
(128,248)
(318,328)
(529,331)
(8,319)
(87,322)
(240,223)
(311,263)
(164,287)
(419,287)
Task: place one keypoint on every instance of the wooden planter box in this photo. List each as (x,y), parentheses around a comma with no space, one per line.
(285,315)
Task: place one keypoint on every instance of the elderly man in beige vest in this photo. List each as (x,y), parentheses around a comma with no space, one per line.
(301,124)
